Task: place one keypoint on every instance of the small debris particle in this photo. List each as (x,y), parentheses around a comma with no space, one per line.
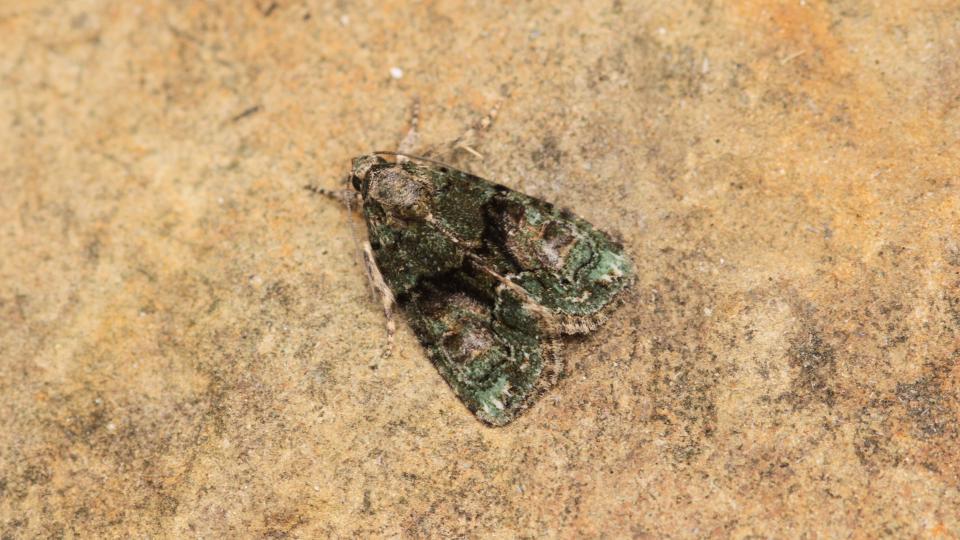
(249,111)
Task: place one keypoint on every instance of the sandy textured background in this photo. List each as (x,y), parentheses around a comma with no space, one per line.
(185,334)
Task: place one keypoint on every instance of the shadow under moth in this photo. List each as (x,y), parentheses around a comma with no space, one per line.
(489,278)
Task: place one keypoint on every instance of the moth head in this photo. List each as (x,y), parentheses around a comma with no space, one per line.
(360,168)
(400,191)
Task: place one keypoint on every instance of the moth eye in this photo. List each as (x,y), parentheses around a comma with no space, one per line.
(357,184)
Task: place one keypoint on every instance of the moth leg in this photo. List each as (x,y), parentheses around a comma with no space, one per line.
(383,291)
(464,141)
(350,199)
(408,143)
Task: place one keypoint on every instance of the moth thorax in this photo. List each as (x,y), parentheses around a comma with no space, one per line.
(400,192)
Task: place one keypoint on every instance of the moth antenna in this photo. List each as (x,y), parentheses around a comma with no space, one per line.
(410,156)
(342,196)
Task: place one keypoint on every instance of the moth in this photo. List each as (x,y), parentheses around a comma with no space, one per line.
(489,279)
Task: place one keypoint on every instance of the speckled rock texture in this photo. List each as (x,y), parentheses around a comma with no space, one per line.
(186,335)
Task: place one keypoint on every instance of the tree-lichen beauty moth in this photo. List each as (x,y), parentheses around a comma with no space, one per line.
(490,279)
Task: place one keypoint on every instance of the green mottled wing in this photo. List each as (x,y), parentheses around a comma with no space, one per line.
(565,264)
(494,354)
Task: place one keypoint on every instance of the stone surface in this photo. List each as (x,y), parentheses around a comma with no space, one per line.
(186,335)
